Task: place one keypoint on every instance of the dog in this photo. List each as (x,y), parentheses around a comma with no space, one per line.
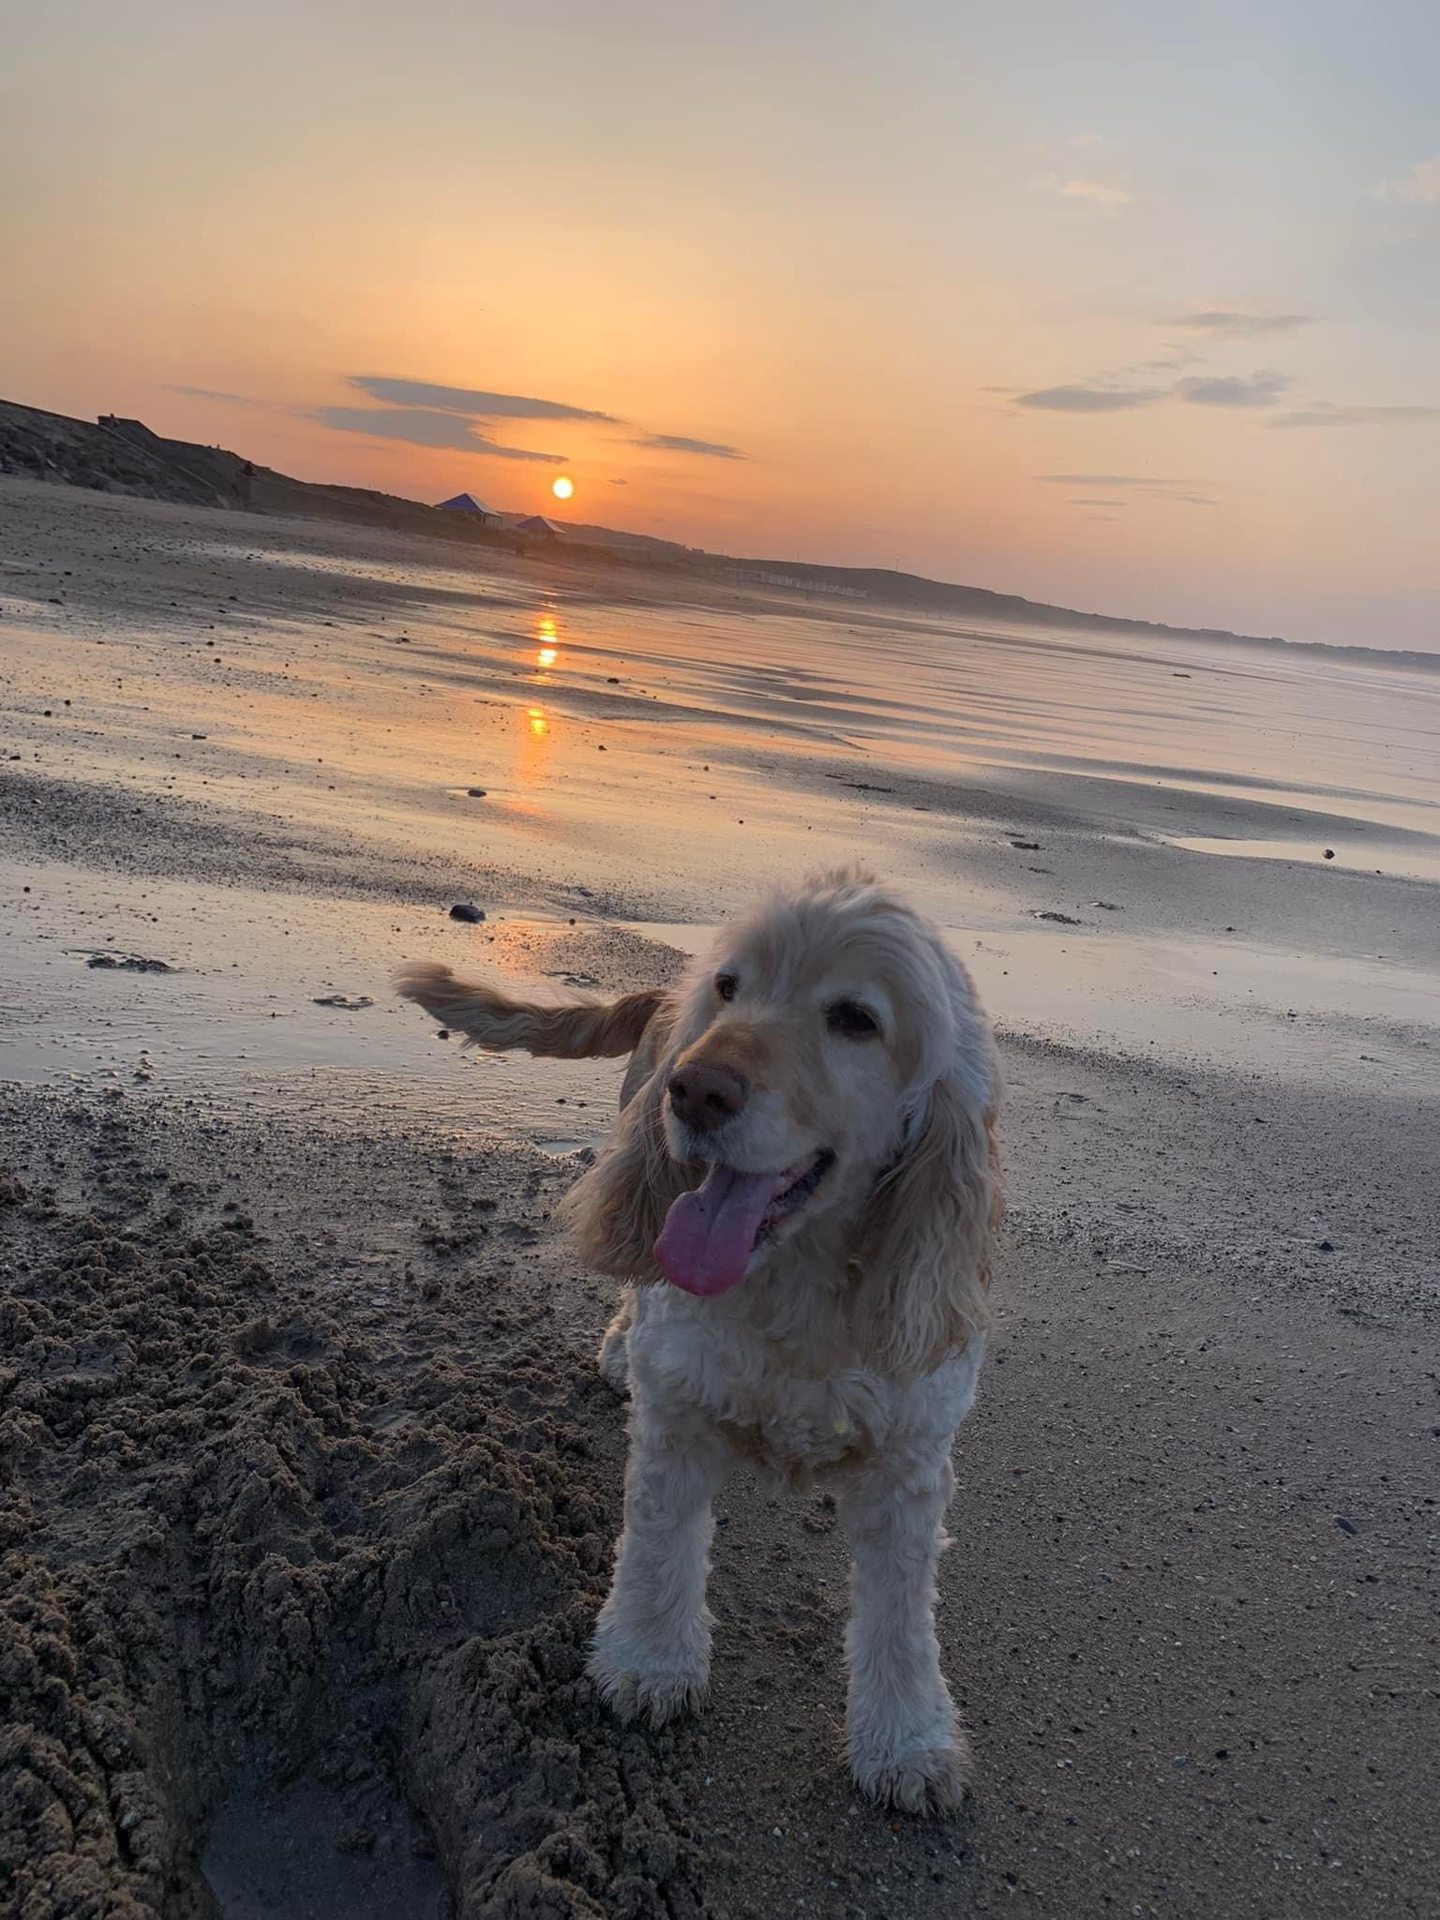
(802,1194)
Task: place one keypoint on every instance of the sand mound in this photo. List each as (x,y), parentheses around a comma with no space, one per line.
(291,1609)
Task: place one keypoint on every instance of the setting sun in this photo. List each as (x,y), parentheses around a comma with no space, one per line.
(562,488)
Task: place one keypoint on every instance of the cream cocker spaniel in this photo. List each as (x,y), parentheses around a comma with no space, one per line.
(801,1193)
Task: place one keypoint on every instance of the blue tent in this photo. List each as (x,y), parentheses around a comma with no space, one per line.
(467,503)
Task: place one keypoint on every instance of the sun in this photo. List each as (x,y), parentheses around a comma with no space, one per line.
(562,488)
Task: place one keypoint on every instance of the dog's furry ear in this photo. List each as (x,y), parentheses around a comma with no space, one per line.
(925,1245)
(615,1211)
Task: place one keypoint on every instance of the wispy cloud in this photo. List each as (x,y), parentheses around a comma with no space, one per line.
(215,393)
(1086,140)
(1171,362)
(425,427)
(1101,196)
(1326,413)
(1229,323)
(1261,389)
(1092,501)
(1100,480)
(1171,490)
(1085,399)
(1106,394)
(428,414)
(1420,186)
(682,443)
(473,401)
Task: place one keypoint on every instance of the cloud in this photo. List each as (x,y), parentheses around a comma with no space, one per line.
(1098,193)
(1260,389)
(1101,196)
(1228,323)
(1082,399)
(469,400)
(1093,502)
(1086,140)
(1163,489)
(681,443)
(423,427)
(1172,361)
(1326,413)
(1421,186)
(213,393)
(1100,480)
(427,414)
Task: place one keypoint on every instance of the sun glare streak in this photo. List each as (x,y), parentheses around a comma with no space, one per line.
(547,636)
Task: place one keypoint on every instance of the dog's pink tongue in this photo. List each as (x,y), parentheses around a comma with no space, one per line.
(709,1235)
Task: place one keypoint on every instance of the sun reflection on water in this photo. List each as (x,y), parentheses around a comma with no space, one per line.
(547,638)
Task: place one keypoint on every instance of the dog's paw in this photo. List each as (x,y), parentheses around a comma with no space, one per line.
(930,1780)
(644,1692)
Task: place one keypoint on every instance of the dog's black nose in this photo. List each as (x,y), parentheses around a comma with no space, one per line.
(705,1097)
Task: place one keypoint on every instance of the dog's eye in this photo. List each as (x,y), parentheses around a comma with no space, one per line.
(849,1018)
(726,985)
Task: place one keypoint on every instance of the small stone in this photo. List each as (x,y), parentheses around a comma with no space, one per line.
(1346,1526)
(475,793)
(463,910)
(1329,853)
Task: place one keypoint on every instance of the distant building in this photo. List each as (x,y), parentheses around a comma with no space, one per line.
(539,528)
(467,503)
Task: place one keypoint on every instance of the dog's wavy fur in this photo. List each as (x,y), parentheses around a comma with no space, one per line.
(851,1348)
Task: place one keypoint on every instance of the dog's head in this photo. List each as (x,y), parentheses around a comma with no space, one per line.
(826,1075)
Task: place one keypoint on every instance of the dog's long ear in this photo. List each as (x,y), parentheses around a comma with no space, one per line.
(924,1252)
(615,1211)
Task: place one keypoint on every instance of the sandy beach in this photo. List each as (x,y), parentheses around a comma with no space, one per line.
(309,1483)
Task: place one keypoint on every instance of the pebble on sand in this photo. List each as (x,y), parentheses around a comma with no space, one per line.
(463,910)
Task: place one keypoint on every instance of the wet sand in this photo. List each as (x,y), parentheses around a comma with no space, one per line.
(309,1484)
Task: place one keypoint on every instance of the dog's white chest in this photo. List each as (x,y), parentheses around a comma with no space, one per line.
(776,1417)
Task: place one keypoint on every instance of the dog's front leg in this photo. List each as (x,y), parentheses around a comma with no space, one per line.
(651,1652)
(905,1744)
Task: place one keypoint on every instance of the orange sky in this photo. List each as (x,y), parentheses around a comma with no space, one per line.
(1121,313)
